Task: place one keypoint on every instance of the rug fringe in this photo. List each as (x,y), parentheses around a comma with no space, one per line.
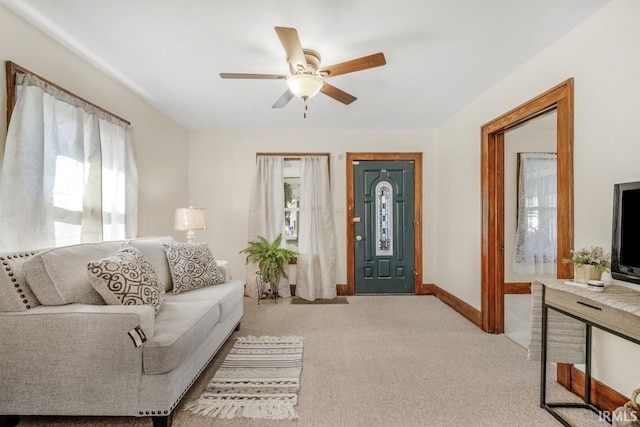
(250,338)
(253,410)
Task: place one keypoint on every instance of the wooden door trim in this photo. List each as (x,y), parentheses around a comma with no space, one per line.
(512,288)
(559,98)
(417,212)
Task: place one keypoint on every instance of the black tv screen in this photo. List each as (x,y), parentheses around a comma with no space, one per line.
(625,250)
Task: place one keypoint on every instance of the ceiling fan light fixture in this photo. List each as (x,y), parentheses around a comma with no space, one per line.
(304,86)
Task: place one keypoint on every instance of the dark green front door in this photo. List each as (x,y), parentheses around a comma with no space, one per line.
(383,226)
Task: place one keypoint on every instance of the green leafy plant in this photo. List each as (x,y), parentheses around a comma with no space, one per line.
(594,256)
(270,257)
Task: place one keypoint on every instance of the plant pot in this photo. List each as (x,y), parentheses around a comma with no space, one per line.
(584,273)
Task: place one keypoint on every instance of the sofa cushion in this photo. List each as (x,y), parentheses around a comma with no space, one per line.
(192,266)
(152,250)
(179,329)
(59,276)
(15,292)
(126,278)
(228,295)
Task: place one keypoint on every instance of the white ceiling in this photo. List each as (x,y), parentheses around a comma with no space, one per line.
(441,54)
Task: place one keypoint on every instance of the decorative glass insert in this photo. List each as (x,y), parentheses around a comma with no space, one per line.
(384,219)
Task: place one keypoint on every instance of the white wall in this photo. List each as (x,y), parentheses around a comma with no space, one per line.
(537,136)
(601,54)
(161,143)
(221,167)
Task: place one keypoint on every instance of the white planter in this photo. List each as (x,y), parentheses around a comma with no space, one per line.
(584,273)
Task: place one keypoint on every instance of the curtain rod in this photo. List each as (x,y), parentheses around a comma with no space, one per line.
(13,68)
(292,156)
(297,156)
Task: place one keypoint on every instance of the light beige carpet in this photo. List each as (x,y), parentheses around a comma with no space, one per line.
(336,300)
(385,361)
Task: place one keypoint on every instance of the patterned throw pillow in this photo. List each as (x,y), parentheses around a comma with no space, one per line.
(192,266)
(126,278)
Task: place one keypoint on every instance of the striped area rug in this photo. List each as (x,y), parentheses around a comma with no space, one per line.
(259,379)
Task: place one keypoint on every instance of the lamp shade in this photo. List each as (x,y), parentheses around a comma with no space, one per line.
(190,219)
(304,85)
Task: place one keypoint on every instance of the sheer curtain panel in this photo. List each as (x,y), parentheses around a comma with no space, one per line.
(266,213)
(68,174)
(316,266)
(536,232)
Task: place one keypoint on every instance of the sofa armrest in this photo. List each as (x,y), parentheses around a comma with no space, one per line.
(144,314)
(225,268)
(72,359)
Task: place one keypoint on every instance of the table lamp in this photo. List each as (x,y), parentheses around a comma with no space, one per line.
(190,219)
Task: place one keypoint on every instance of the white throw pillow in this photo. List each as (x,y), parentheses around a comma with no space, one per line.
(126,278)
(192,266)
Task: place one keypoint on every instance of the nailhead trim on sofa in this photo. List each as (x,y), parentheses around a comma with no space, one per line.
(18,286)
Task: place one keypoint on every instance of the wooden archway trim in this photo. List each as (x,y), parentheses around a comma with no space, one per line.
(559,98)
(417,212)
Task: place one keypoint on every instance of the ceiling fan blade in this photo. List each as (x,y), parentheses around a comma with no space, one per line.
(371,61)
(283,100)
(337,94)
(252,76)
(291,43)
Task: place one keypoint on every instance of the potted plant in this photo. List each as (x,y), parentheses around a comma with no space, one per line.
(270,258)
(589,263)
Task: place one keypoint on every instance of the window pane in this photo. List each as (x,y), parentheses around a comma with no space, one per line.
(291,206)
(68,184)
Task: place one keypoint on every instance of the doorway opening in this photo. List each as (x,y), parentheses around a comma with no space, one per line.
(530,231)
(352,218)
(560,99)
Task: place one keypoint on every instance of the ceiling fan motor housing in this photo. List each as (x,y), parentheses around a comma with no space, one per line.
(313,62)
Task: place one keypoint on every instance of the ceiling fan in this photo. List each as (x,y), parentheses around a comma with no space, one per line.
(307,78)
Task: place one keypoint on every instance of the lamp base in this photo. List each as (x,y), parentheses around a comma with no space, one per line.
(191,235)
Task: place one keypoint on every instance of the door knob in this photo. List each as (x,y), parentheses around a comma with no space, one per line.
(358,238)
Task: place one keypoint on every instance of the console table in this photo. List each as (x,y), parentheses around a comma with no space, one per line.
(616,310)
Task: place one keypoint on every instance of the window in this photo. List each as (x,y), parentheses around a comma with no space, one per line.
(291,178)
(80,159)
(536,232)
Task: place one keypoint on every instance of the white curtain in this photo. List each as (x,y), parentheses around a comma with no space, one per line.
(536,233)
(68,174)
(316,267)
(266,213)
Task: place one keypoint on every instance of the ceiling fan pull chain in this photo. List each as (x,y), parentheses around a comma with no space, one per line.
(306,107)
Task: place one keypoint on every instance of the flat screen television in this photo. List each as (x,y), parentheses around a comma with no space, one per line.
(625,247)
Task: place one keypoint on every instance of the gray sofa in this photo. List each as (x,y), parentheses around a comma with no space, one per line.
(64,352)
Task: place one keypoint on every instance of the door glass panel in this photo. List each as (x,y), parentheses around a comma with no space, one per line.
(384,214)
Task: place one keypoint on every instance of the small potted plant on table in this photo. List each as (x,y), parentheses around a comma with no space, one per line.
(271,259)
(589,264)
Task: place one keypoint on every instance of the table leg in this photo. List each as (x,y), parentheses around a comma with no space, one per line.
(543,354)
